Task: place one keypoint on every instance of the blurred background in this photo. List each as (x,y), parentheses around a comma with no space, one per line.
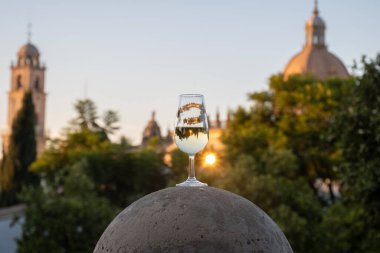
(89,94)
(115,52)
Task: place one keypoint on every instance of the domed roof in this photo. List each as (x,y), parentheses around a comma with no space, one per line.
(193,219)
(151,130)
(314,58)
(28,50)
(317,61)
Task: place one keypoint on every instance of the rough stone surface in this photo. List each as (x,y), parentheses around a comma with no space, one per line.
(185,219)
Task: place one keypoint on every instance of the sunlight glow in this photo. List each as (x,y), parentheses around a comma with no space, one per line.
(210,159)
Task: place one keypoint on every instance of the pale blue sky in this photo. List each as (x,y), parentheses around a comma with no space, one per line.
(137,56)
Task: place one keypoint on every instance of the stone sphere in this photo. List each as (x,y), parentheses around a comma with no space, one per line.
(192,219)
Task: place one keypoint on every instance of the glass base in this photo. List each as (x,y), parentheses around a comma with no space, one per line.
(192,182)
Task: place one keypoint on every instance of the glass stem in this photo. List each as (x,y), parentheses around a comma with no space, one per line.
(191,167)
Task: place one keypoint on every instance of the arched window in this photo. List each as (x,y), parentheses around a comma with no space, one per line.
(18,82)
(35,62)
(37,83)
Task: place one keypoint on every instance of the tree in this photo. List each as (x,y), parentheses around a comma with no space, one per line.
(109,119)
(21,153)
(179,166)
(119,173)
(66,215)
(294,115)
(274,184)
(358,130)
(87,115)
(353,225)
(85,180)
(278,148)
(87,118)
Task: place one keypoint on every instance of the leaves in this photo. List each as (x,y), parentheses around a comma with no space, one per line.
(279,147)
(86,179)
(22,151)
(87,119)
(302,131)
(64,217)
(357,131)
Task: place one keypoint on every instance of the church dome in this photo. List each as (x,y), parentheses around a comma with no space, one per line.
(318,62)
(28,50)
(314,58)
(151,130)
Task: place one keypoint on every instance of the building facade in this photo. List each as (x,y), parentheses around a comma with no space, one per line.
(27,74)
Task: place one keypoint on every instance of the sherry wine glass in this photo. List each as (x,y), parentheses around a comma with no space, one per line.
(191,132)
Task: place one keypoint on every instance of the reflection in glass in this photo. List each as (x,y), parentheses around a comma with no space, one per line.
(191,132)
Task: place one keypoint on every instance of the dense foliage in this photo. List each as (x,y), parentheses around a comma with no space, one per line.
(14,171)
(278,148)
(353,225)
(66,215)
(307,152)
(85,180)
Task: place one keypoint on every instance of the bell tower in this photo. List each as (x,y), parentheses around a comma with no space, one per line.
(315,29)
(28,74)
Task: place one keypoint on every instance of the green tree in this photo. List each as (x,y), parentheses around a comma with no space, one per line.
(65,215)
(274,184)
(87,115)
(110,118)
(295,115)
(358,129)
(85,180)
(21,153)
(278,148)
(179,167)
(87,119)
(120,174)
(354,224)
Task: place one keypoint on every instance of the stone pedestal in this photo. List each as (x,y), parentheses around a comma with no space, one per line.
(185,219)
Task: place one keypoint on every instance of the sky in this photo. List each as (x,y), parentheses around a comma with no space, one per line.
(138,56)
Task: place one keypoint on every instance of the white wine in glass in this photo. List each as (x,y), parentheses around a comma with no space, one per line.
(191,132)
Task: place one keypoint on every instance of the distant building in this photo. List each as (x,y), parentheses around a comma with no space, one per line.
(314,58)
(216,129)
(152,130)
(28,74)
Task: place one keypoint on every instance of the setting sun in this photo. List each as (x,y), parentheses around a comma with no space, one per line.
(210,159)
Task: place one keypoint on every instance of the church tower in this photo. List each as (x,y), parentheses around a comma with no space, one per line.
(151,130)
(28,74)
(315,59)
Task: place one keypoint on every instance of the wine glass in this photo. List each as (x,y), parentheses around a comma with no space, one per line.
(191,131)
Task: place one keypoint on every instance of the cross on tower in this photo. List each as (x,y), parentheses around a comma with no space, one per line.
(29,33)
(315,7)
